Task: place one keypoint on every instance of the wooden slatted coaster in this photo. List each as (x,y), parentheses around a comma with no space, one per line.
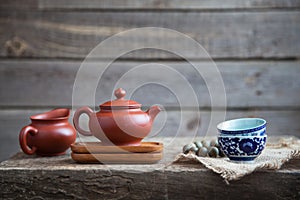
(95,152)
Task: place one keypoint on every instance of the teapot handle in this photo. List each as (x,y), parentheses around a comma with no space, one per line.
(23,139)
(83,110)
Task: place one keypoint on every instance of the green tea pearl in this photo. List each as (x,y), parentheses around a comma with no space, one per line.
(202,152)
(213,152)
(189,147)
(206,143)
(214,143)
(198,144)
(221,153)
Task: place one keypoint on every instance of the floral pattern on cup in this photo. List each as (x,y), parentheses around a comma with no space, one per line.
(242,148)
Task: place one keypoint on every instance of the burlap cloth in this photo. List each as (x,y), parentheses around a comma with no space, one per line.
(272,157)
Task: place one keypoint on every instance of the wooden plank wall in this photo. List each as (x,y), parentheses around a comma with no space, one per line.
(254,43)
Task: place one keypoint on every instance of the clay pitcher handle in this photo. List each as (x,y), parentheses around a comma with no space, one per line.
(23,139)
(77,114)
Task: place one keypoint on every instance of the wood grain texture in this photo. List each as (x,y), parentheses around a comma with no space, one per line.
(147,4)
(59,34)
(60,178)
(167,124)
(96,147)
(190,184)
(119,158)
(247,84)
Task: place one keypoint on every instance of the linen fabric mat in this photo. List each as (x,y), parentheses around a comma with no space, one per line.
(273,157)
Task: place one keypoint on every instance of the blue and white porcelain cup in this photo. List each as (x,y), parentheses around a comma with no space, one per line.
(242,148)
(242,139)
(243,127)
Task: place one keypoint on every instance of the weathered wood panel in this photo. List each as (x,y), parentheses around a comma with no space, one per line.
(29,177)
(247,84)
(171,123)
(60,34)
(147,4)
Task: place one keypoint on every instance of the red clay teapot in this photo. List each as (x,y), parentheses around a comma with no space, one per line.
(120,122)
(49,133)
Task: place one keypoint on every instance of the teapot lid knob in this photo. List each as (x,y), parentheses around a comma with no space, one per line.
(120,102)
(120,93)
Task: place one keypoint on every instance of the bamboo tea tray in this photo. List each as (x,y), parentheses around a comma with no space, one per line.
(95,152)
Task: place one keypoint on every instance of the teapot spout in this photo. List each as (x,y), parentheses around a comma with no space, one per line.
(153,111)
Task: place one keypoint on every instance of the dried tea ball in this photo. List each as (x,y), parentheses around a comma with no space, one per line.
(214,143)
(221,153)
(202,152)
(198,144)
(194,149)
(206,144)
(213,152)
(186,148)
(189,147)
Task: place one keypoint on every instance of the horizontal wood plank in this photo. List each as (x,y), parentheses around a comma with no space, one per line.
(29,177)
(247,84)
(59,34)
(167,124)
(147,4)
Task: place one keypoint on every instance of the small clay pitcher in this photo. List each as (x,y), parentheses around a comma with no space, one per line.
(49,133)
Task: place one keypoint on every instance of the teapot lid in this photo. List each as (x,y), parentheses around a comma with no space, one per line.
(120,102)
